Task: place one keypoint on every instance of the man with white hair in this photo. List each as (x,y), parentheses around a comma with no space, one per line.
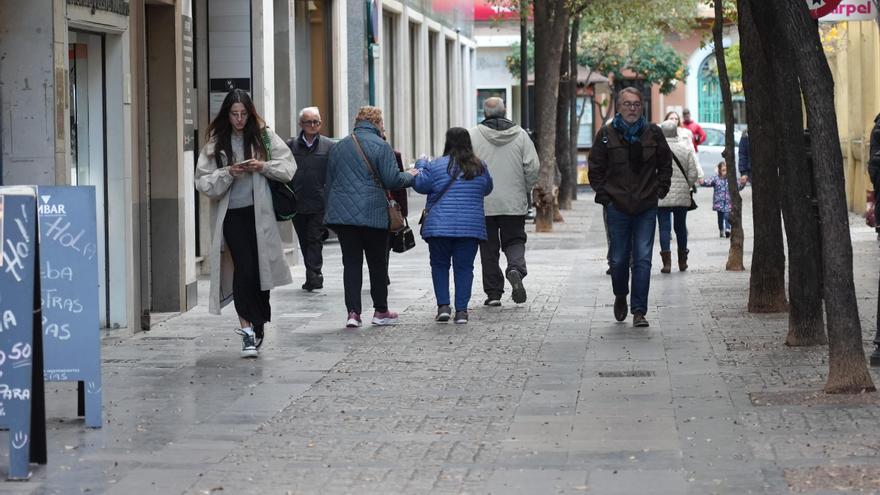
(310,149)
(513,164)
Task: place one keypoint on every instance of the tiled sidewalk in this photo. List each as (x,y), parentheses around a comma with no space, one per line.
(552,396)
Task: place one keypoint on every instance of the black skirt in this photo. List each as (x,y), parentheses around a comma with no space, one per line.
(240,233)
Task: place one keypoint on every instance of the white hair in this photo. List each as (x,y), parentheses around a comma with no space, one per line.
(313,110)
(494,107)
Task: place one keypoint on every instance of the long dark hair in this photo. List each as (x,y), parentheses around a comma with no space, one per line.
(220,130)
(461,153)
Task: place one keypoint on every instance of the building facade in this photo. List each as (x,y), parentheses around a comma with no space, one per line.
(118,94)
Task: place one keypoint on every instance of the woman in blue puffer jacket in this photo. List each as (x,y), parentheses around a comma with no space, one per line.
(453,223)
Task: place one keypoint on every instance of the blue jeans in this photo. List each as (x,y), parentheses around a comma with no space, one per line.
(723,220)
(679,223)
(632,236)
(460,253)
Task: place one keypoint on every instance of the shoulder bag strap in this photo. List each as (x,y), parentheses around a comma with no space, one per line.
(680,168)
(267,143)
(373,173)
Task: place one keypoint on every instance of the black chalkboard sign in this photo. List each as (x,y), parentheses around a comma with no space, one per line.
(21,383)
(69,292)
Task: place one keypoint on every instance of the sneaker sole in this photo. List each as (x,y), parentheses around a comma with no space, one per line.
(352,325)
(519,291)
(641,325)
(384,321)
(443,318)
(250,354)
(461,322)
(493,304)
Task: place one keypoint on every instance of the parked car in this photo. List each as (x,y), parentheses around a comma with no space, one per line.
(709,153)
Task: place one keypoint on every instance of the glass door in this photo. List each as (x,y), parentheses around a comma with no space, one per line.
(87,131)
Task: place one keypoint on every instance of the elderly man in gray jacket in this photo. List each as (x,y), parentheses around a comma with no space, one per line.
(513,164)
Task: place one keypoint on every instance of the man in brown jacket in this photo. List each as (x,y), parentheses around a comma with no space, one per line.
(630,170)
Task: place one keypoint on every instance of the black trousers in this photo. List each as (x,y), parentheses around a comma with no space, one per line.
(310,232)
(240,233)
(507,233)
(358,243)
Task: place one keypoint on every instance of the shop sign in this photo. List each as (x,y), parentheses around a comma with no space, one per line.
(69,291)
(821,8)
(22,409)
(852,10)
(113,6)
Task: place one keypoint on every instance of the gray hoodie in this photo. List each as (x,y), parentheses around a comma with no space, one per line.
(513,164)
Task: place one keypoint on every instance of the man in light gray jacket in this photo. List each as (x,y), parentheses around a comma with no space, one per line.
(513,164)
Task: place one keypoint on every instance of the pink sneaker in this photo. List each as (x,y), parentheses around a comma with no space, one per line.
(386,318)
(354,320)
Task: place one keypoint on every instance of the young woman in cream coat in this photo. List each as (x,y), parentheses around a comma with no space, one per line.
(234,170)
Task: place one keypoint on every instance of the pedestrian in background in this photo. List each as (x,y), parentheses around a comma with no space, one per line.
(874,173)
(680,129)
(630,170)
(672,210)
(513,162)
(234,169)
(721,201)
(874,155)
(453,223)
(696,130)
(400,196)
(360,169)
(745,163)
(311,150)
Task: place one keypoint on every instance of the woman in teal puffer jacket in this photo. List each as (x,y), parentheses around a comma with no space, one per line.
(357,210)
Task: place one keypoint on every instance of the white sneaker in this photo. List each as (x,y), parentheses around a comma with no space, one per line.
(248,344)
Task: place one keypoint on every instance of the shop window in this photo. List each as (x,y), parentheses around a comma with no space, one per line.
(585,130)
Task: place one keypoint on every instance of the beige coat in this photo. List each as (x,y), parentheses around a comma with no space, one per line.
(513,165)
(680,188)
(215,183)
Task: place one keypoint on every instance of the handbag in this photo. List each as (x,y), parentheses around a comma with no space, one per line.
(283,198)
(427,210)
(403,240)
(396,221)
(693,205)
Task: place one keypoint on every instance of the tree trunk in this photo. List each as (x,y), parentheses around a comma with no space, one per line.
(877,8)
(563,143)
(806,324)
(767,278)
(735,255)
(551,19)
(574,120)
(848,371)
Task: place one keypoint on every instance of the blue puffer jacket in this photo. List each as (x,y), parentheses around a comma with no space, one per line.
(353,197)
(459,213)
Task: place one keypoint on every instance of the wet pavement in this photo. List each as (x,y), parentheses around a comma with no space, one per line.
(550,396)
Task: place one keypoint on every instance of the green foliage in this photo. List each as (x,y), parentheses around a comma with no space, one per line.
(618,37)
(513,60)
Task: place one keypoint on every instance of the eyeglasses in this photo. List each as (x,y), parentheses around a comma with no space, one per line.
(631,105)
(310,122)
